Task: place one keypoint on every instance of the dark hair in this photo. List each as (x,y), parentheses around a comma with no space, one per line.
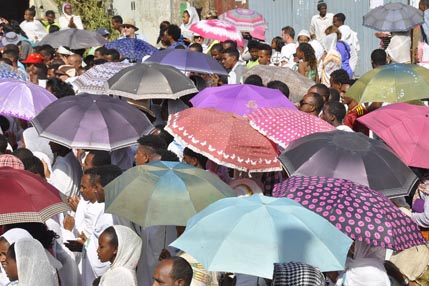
(116,56)
(22,153)
(254,79)
(60,88)
(3,144)
(100,158)
(337,109)
(279,43)
(230,42)
(167,155)
(6,61)
(38,231)
(321,89)
(34,165)
(318,101)
(49,12)
(163,26)
(102,50)
(340,76)
(105,174)
(217,47)
(99,62)
(252,44)
(42,70)
(196,46)
(276,84)
(4,124)
(265,47)
(232,52)
(340,16)
(153,142)
(53,29)
(113,236)
(13,55)
(181,270)
(309,54)
(202,160)
(320,5)
(174,31)
(334,95)
(379,57)
(47,48)
(32,11)
(117,19)
(289,30)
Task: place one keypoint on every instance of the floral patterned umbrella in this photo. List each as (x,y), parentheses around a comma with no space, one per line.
(7,71)
(360,212)
(225,138)
(217,30)
(132,49)
(283,125)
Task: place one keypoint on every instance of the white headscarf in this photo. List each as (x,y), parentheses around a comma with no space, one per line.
(15,234)
(33,264)
(332,59)
(35,143)
(193,18)
(123,267)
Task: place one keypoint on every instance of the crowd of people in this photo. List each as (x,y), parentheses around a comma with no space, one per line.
(88,246)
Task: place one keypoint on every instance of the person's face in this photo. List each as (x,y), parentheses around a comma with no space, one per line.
(47,57)
(307,104)
(285,36)
(87,164)
(10,268)
(299,54)
(336,22)
(216,54)
(253,54)
(185,17)
(422,6)
(335,85)
(142,156)
(228,61)
(106,251)
(28,16)
(68,10)
(189,160)
(198,39)
(345,99)
(325,114)
(97,55)
(50,18)
(161,275)
(4,247)
(116,25)
(322,11)
(129,31)
(303,39)
(263,57)
(87,189)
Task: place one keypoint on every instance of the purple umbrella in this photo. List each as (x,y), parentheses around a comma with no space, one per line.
(187,60)
(88,121)
(358,211)
(240,98)
(23,99)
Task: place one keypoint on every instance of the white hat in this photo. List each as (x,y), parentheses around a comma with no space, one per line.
(304,33)
(64,51)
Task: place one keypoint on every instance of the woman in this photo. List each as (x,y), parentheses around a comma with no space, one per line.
(277,44)
(190,16)
(122,247)
(33,142)
(331,60)
(308,63)
(27,264)
(343,48)
(68,20)
(34,30)
(297,273)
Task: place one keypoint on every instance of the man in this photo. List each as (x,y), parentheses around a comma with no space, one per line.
(311,103)
(129,30)
(321,89)
(174,271)
(320,22)
(230,61)
(49,20)
(96,158)
(354,110)
(338,78)
(147,150)
(378,58)
(264,54)
(194,159)
(286,54)
(333,113)
(117,23)
(253,47)
(216,52)
(172,37)
(75,61)
(350,37)
(279,85)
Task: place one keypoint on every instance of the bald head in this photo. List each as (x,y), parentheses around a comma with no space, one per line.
(174,271)
(75,60)
(311,103)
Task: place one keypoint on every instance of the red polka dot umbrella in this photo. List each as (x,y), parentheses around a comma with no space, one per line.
(358,211)
(283,125)
(225,138)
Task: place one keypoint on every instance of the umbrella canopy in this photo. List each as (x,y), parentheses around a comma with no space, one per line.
(187,60)
(23,99)
(132,49)
(297,83)
(403,127)
(351,156)
(245,20)
(27,197)
(73,38)
(173,192)
(358,211)
(8,71)
(240,99)
(93,80)
(145,81)
(263,230)
(392,83)
(88,121)
(283,125)
(217,30)
(393,17)
(225,138)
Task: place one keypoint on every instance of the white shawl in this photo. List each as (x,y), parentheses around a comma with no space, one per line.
(193,18)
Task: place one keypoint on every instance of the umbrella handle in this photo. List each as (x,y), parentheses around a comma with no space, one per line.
(165,235)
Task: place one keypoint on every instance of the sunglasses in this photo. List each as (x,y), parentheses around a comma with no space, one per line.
(128,27)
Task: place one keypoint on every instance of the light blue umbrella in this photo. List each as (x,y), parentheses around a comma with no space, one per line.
(247,235)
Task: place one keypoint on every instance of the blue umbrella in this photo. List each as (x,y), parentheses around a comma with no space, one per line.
(133,49)
(247,235)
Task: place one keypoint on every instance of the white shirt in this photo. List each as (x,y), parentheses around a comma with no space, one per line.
(318,25)
(286,55)
(235,76)
(66,174)
(34,30)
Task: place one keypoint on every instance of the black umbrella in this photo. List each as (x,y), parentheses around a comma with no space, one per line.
(74,39)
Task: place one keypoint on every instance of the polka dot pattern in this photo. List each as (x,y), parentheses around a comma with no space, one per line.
(360,212)
(283,125)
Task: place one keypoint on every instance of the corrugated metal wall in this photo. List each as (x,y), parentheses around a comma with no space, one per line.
(298,13)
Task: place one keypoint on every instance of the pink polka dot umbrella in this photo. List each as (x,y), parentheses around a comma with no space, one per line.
(358,211)
(283,125)
(225,138)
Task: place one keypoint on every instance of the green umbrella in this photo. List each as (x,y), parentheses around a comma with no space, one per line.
(163,193)
(392,83)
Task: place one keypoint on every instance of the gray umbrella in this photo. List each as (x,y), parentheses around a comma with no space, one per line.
(74,39)
(393,17)
(351,156)
(144,81)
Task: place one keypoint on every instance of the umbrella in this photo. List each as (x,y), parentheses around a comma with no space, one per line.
(217,30)
(403,127)
(245,20)
(283,125)
(392,83)
(145,81)
(393,17)
(187,60)
(8,71)
(240,98)
(23,99)
(133,49)
(351,156)
(27,197)
(248,234)
(297,83)
(88,121)
(73,38)
(92,81)
(225,138)
(173,192)
(358,211)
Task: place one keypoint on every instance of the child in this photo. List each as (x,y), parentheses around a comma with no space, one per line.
(308,63)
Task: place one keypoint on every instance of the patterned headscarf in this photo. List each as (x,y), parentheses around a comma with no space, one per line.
(297,274)
(7,160)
